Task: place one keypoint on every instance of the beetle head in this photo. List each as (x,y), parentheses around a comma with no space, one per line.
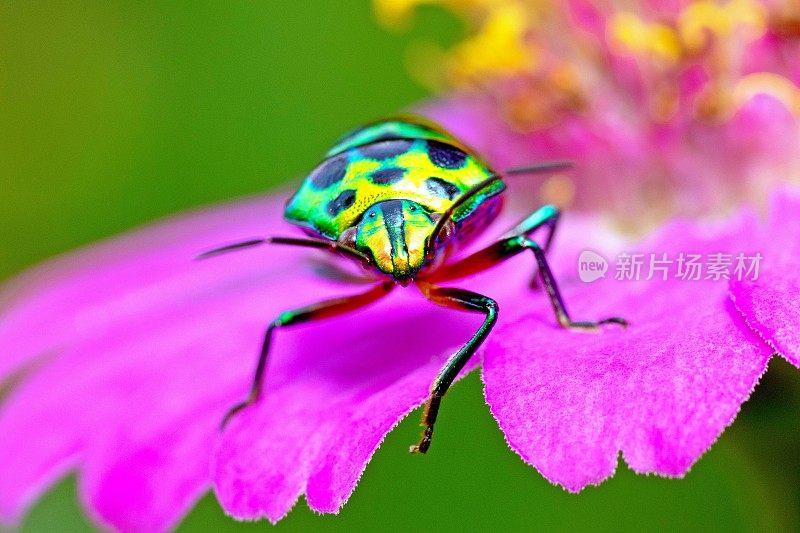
(394,233)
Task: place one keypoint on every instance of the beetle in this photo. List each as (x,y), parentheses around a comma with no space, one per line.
(399,196)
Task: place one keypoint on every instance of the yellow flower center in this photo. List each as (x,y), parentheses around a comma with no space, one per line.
(530,56)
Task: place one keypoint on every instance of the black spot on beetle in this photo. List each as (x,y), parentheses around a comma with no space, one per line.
(329,172)
(344,201)
(387,176)
(445,156)
(385,149)
(443,189)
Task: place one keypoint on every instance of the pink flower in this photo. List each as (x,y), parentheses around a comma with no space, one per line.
(121,360)
(666,106)
(128,354)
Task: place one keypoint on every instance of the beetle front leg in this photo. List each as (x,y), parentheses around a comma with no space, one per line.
(465,301)
(308,313)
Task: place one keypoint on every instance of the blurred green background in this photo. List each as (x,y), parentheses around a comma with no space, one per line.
(113,114)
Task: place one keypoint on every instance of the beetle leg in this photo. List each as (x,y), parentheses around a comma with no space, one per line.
(547,216)
(509,247)
(308,313)
(465,301)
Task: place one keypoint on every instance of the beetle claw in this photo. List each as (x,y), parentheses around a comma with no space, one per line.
(594,326)
(233,411)
(424,443)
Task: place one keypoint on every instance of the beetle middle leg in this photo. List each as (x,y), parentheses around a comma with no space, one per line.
(330,308)
(465,301)
(507,248)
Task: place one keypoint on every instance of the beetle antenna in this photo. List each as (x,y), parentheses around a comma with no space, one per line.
(464,198)
(320,244)
(547,166)
(230,248)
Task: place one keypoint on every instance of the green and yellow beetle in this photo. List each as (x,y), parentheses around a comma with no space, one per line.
(399,196)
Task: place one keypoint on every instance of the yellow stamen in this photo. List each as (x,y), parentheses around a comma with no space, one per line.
(699,19)
(633,34)
(522,40)
(769,83)
(499,48)
(396,12)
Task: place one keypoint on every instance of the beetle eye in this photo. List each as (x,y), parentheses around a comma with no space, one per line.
(447,232)
(348,237)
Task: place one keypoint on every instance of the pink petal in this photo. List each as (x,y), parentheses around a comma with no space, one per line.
(78,295)
(147,349)
(660,392)
(324,418)
(100,399)
(771,303)
(352,379)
